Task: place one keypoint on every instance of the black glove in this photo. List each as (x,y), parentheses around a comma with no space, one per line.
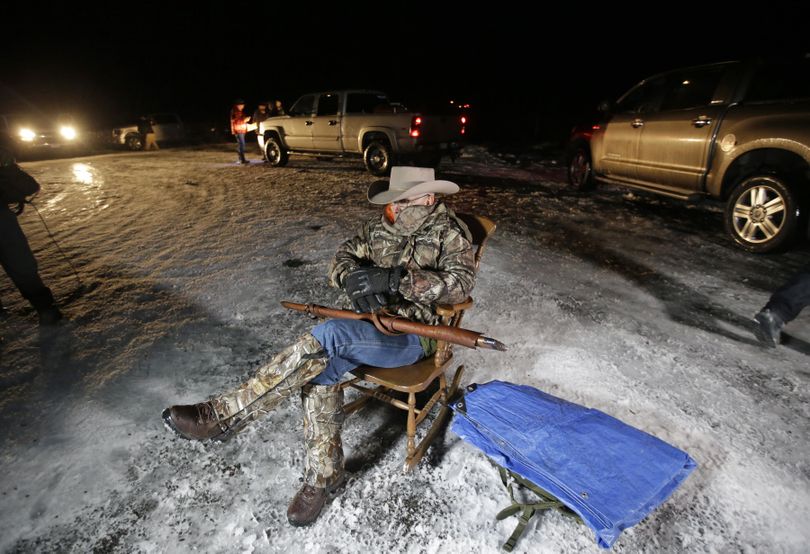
(368,304)
(372,284)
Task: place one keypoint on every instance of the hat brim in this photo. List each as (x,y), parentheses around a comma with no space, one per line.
(378,192)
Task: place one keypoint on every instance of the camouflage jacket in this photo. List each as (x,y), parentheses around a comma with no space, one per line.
(438,257)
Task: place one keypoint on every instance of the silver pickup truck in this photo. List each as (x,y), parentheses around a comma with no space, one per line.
(360,123)
(736,131)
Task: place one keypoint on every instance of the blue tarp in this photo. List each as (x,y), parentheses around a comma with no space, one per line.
(611,474)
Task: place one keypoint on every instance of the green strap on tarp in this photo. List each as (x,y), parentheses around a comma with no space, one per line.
(547,502)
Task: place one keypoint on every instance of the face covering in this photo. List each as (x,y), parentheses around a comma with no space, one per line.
(411,218)
(390,216)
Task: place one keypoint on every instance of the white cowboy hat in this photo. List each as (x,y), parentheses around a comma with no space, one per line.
(408,182)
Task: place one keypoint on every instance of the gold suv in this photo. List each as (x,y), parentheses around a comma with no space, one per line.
(735,131)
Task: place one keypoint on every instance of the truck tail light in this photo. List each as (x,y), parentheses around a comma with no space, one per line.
(416,123)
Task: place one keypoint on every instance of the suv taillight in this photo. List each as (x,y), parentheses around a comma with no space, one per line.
(416,123)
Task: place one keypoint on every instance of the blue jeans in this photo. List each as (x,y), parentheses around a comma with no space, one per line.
(240,146)
(350,344)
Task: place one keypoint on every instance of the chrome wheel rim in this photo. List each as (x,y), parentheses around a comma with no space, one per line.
(579,169)
(377,159)
(759,214)
(273,152)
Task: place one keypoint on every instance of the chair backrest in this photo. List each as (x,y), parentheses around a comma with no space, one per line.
(481,228)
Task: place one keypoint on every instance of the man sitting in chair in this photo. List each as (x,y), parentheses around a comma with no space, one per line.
(415,256)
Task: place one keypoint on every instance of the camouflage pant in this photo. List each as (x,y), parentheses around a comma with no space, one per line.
(288,372)
(323,420)
(291,369)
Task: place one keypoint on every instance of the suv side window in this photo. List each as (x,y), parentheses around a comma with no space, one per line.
(780,81)
(328,104)
(692,89)
(642,99)
(304,105)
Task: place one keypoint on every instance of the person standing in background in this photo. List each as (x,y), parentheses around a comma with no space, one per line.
(262,112)
(239,127)
(147,131)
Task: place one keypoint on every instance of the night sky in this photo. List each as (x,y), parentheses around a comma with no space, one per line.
(541,73)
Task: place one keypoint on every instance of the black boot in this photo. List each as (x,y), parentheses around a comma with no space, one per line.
(768,328)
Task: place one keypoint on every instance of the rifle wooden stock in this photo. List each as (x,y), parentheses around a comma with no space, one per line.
(393,324)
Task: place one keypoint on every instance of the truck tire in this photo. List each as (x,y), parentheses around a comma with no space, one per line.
(762,213)
(377,158)
(134,142)
(274,152)
(580,169)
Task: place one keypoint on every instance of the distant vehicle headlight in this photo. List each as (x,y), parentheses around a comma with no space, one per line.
(67,132)
(27,134)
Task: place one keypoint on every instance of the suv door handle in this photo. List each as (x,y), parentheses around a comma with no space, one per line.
(702,121)
(332,122)
(308,123)
(636,123)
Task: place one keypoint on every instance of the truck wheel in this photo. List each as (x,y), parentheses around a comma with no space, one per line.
(580,170)
(377,157)
(134,142)
(275,153)
(761,214)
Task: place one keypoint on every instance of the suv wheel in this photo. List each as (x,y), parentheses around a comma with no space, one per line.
(761,214)
(275,153)
(134,142)
(580,170)
(377,157)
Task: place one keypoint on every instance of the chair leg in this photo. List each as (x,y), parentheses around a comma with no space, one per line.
(455,383)
(435,427)
(411,423)
(447,393)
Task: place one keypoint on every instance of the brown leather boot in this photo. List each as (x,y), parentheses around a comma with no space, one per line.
(196,421)
(306,506)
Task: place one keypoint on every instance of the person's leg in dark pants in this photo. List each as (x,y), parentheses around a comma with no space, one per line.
(784,305)
(19,263)
(240,147)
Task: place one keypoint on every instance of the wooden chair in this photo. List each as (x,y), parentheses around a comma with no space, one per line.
(417,378)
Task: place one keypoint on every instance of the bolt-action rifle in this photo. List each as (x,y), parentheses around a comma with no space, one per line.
(391,324)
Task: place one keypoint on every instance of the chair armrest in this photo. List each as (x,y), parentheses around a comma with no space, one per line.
(447,310)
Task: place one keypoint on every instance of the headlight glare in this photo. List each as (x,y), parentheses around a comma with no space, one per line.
(67,132)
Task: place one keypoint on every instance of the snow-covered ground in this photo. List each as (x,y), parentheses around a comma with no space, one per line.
(636,306)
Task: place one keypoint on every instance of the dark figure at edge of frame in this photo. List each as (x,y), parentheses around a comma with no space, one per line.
(15,254)
(784,306)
